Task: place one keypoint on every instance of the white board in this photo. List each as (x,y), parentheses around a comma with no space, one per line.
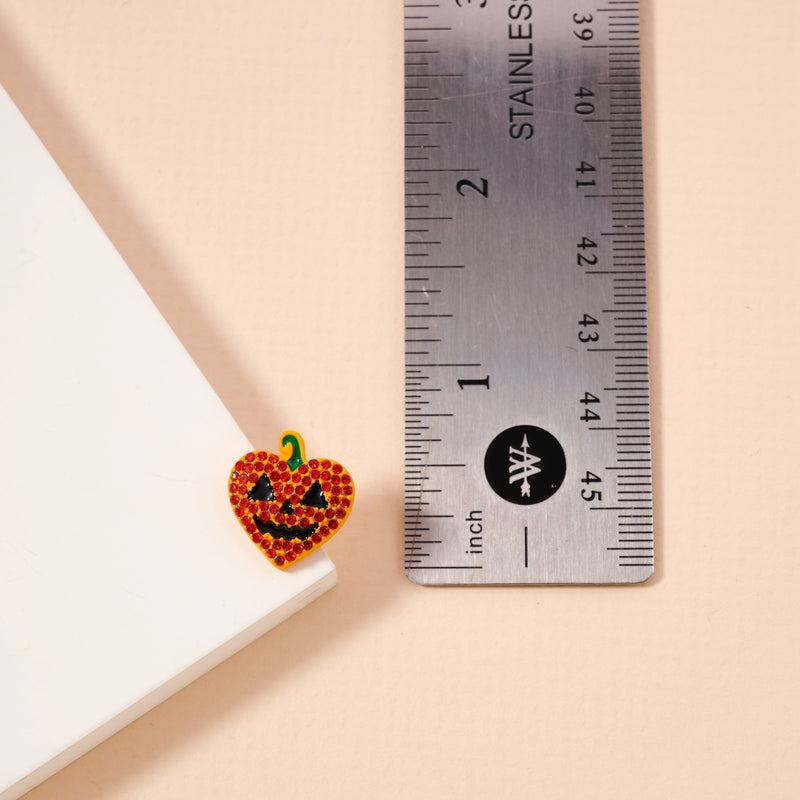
(123,573)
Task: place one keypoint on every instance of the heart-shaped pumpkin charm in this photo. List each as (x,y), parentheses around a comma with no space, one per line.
(289,507)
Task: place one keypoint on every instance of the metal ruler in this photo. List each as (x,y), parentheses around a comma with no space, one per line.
(527,389)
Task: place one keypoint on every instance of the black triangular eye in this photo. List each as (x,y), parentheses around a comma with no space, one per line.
(314,497)
(262,490)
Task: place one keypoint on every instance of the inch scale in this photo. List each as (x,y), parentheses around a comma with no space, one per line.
(527,390)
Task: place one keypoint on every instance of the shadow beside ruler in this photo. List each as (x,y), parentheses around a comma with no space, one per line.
(527,387)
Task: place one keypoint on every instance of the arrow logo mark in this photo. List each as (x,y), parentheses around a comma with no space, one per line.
(522,465)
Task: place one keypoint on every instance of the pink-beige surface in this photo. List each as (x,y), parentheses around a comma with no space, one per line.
(246,160)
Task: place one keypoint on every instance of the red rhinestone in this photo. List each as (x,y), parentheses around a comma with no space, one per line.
(307,480)
(250,527)
(304,522)
(240,465)
(250,457)
(302,469)
(315,474)
(345,502)
(274,508)
(330,513)
(346,479)
(347,490)
(333,524)
(298,548)
(340,514)
(297,477)
(316,536)
(273,459)
(279,518)
(240,512)
(277,543)
(261,455)
(314,463)
(259,465)
(323,530)
(337,468)
(285,476)
(290,556)
(233,488)
(291,519)
(308,544)
(326,464)
(274,476)
(319,516)
(335,501)
(335,480)
(280,560)
(271,552)
(256,537)
(326,487)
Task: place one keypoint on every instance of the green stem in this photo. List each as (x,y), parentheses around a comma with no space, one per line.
(296,459)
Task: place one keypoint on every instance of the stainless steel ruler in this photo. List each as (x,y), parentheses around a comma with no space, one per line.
(527,390)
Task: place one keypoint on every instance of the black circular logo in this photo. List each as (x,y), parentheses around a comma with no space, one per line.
(525,464)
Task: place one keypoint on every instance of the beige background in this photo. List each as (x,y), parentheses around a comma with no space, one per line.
(246,159)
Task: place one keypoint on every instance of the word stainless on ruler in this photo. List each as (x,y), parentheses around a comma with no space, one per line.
(527,388)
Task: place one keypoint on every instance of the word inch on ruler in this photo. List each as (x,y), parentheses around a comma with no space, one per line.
(527,389)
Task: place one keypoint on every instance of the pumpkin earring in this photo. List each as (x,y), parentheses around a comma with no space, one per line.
(288,507)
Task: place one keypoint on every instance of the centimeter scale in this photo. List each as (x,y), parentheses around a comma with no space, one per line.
(527,390)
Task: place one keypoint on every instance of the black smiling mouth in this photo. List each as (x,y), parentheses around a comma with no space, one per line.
(284,531)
